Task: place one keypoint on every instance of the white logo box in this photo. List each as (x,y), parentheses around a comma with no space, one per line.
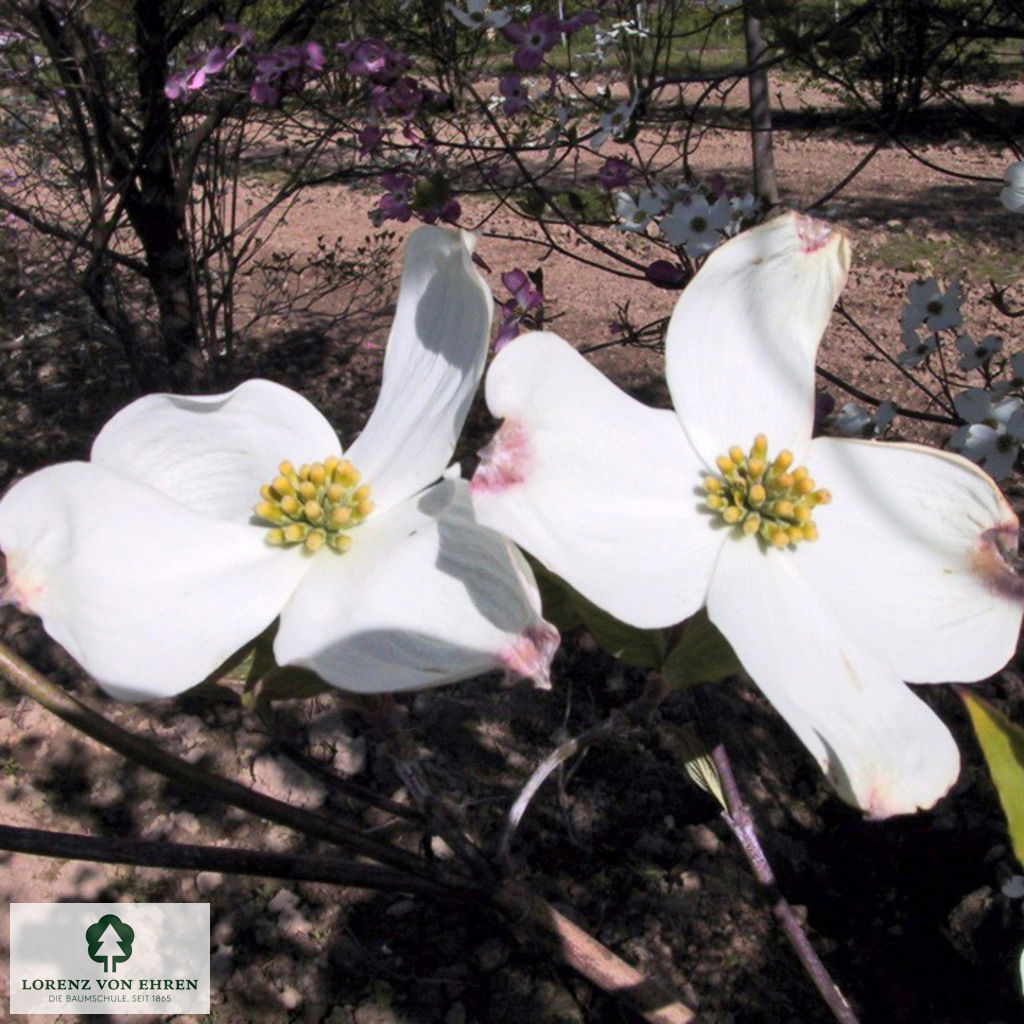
(110,958)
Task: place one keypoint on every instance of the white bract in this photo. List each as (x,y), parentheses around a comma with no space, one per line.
(915,348)
(1012,196)
(976,354)
(478,14)
(614,123)
(993,433)
(830,598)
(195,524)
(928,304)
(697,225)
(854,420)
(635,213)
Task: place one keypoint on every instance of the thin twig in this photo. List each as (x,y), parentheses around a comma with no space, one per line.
(570,748)
(741,823)
(619,720)
(865,396)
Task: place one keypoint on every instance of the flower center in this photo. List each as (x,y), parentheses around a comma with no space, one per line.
(765,497)
(314,506)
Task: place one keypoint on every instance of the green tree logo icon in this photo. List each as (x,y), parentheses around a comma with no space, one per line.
(110,941)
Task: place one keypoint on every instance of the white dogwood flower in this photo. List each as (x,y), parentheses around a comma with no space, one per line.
(635,213)
(1012,196)
(927,304)
(198,521)
(993,433)
(697,225)
(478,14)
(977,354)
(854,420)
(835,568)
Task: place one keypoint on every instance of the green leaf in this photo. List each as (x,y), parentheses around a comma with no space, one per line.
(290,684)
(555,599)
(701,655)
(1002,743)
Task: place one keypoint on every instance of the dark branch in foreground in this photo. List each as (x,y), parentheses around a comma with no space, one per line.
(296,867)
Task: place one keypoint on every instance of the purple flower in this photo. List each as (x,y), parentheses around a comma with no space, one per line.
(181,83)
(614,173)
(375,60)
(533,40)
(515,93)
(397,204)
(526,297)
(315,58)
(525,300)
(402,97)
(369,139)
(284,69)
(176,86)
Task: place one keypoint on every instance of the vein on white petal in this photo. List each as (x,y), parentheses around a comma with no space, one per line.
(743,338)
(147,595)
(602,489)
(424,596)
(881,747)
(897,557)
(434,361)
(214,452)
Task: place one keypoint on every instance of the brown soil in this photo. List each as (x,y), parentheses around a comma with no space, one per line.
(908,914)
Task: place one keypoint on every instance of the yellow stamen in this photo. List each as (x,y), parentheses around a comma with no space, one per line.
(295,532)
(315,506)
(268,510)
(772,499)
(783,461)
